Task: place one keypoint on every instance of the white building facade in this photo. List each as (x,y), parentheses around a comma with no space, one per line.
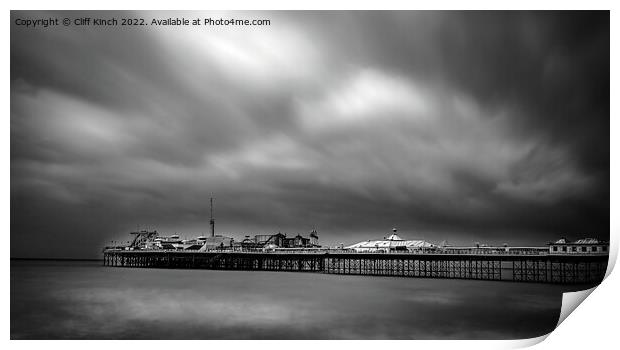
(581,246)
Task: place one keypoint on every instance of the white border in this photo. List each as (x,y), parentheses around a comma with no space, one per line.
(592,325)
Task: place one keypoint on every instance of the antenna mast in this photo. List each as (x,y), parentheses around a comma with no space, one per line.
(212,222)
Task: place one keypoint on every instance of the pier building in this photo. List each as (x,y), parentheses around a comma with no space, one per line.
(392,243)
(580,246)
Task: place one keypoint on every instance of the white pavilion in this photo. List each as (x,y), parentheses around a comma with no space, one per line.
(392,243)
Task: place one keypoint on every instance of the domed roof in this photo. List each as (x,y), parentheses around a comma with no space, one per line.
(394,237)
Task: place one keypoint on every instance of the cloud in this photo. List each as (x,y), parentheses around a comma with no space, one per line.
(459,126)
(368,96)
(387,133)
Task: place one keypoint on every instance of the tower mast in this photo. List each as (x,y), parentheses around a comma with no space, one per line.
(212,221)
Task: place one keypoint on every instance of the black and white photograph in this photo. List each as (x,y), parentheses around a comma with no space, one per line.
(305,175)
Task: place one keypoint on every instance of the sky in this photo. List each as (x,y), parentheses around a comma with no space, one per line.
(488,127)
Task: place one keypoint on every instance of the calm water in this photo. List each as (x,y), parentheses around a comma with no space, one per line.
(84,300)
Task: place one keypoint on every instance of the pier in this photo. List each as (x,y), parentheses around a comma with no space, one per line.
(533,268)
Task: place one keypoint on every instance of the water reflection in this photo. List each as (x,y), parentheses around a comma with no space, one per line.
(60,300)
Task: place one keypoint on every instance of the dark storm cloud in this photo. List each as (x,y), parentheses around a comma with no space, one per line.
(449,125)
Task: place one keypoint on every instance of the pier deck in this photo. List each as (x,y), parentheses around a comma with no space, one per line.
(563,269)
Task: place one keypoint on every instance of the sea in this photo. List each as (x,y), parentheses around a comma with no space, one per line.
(85,300)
